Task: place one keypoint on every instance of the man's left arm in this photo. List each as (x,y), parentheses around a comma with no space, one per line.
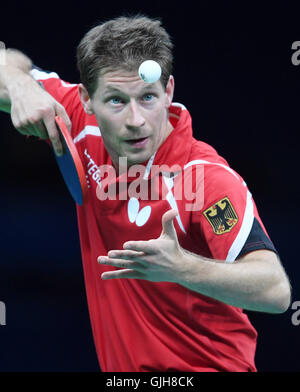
(256,281)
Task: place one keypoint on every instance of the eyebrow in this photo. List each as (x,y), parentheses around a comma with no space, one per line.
(108,89)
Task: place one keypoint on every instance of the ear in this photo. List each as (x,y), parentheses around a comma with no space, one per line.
(170,91)
(85,99)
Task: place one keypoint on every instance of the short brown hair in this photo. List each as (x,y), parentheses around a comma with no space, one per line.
(123,43)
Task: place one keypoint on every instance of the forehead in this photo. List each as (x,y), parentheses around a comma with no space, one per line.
(124,81)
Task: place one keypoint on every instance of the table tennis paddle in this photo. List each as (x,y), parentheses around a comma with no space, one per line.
(70,165)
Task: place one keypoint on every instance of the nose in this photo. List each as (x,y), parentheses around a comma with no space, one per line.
(135,118)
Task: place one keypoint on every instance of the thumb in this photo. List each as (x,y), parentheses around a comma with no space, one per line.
(168,228)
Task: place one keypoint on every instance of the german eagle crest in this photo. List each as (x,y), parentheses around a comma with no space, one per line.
(221,216)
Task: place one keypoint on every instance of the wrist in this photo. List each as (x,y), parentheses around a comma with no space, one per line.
(14,71)
(193,268)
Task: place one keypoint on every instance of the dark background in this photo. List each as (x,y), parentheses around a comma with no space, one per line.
(233,71)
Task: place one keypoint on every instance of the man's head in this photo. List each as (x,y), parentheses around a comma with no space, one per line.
(127,109)
(123,44)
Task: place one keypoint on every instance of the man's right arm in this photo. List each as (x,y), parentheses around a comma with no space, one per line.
(32,109)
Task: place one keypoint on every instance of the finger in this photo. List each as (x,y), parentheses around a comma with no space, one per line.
(121,263)
(27,130)
(168,228)
(41,130)
(60,111)
(21,121)
(33,123)
(124,253)
(17,123)
(122,274)
(53,133)
(34,130)
(140,246)
(24,126)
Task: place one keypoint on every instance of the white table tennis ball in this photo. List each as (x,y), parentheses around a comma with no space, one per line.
(150,71)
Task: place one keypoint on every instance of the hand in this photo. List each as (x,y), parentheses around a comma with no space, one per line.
(33,111)
(157,260)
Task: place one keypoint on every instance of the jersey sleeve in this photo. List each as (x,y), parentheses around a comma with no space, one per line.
(63,92)
(229,221)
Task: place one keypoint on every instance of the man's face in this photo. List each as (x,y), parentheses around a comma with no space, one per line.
(132,114)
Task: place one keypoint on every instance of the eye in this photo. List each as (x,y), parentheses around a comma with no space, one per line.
(116,100)
(148,97)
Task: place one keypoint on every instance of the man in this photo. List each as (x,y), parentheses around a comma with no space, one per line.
(167,277)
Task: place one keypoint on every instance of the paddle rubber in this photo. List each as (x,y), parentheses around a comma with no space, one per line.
(70,165)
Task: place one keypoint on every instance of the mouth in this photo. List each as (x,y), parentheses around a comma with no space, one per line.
(138,143)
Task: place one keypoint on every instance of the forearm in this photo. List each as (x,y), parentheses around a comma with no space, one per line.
(14,72)
(252,284)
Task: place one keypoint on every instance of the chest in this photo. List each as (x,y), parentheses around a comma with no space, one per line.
(130,209)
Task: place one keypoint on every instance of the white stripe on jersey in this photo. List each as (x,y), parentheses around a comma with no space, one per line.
(148,167)
(179,105)
(202,162)
(87,130)
(66,84)
(245,229)
(172,201)
(244,232)
(42,75)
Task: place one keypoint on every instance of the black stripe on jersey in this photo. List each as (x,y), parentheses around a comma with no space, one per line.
(40,69)
(257,239)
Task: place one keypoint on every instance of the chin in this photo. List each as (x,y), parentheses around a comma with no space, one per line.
(138,158)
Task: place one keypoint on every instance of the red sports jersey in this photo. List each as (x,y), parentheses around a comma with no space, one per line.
(145,326)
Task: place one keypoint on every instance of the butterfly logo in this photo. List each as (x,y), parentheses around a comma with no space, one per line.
(140,217)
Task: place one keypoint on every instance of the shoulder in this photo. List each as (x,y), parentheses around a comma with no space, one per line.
(217,172)
(83,125)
